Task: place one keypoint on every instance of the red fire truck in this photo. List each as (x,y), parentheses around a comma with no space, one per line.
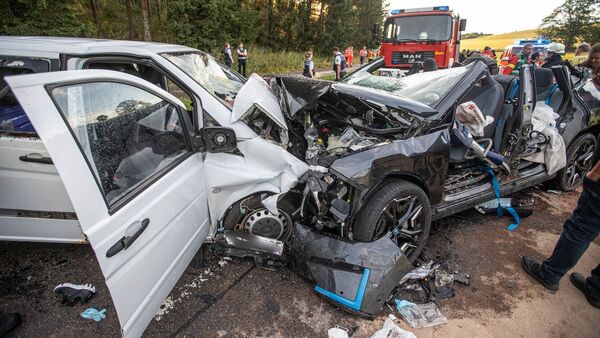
(412,35)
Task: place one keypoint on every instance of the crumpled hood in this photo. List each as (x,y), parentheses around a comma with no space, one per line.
(256,91)
(296,92)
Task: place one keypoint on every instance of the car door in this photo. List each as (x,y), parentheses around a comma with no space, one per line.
(121,147)
(519,125)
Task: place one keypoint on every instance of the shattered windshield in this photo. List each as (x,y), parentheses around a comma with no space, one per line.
(427,88)
(204,69)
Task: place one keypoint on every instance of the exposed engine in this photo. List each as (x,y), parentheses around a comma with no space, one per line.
(334,125)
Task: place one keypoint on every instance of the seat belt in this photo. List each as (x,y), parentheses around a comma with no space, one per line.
(549,97)
(499,210)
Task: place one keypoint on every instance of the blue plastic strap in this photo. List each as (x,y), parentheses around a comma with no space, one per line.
(499,210)
(353,304)
(554,88)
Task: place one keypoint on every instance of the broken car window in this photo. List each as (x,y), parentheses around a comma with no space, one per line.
(204,69)
(427,88)
(125,133)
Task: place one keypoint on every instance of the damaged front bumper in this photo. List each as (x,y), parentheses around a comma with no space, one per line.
(358,277)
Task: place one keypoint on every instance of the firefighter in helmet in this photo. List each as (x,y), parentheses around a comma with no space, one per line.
(517,61)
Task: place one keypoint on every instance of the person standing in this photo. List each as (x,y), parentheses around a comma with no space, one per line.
(370,55)
(339,64)
(580,229)
(517,61)
(309,65)
(554,52)
(227,55)
(363,55)
(593,60)
(581,54)
(488,51)
(242,57)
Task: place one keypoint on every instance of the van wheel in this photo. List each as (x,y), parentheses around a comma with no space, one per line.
(251,216)
(399,207)
(579,161)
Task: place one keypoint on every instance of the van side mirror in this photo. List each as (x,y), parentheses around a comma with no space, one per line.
(462,25)
(216,140)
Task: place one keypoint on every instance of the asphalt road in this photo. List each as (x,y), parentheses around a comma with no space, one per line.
(231,298)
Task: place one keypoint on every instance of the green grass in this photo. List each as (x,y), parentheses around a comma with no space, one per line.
(266,62)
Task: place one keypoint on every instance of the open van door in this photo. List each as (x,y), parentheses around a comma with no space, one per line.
(122,148)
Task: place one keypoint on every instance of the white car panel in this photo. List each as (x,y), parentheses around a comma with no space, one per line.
(256,91)
(140,277)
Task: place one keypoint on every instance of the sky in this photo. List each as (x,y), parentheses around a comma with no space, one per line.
(493,17)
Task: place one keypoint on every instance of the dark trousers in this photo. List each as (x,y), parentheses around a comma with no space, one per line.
(228,63)
(362,60)
(242,67)
(582,227)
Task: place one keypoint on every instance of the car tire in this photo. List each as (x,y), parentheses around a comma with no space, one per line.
(236,217)
(582,145)
(371,223)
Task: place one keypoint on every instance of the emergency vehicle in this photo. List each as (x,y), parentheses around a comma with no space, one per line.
(412,35)
(539,45)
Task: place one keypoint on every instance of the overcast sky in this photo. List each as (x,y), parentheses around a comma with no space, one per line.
(491,16)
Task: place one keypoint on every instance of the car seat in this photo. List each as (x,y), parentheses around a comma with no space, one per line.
(544,82)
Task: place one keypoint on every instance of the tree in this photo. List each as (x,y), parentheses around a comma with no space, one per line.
(573,21)
(146,20)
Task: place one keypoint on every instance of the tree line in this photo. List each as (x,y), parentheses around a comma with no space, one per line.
(291,25)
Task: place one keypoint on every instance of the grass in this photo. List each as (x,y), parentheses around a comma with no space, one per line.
(266,62)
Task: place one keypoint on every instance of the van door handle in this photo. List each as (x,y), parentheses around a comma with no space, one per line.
(126,241)
(37,158)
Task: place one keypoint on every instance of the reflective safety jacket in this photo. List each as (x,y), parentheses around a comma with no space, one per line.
(515,63)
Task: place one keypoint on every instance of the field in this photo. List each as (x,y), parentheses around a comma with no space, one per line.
(498,41)
(265,62)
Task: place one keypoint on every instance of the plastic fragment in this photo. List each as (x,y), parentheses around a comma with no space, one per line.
(420,272)
(337,332)
(94,314)
(442,278)
(391,330)
(422,315)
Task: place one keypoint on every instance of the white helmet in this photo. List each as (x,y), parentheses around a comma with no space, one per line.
(556,47)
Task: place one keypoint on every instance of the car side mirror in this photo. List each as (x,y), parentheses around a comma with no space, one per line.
(216,140)
(462,25)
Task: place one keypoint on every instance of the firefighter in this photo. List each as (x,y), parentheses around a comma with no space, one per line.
(553,58)
(363,55)
(370,55)
(488,51)
(517,61)
(339,64)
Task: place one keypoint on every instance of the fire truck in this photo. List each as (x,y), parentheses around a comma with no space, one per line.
(412,35)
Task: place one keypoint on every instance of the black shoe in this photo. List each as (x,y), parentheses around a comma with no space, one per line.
(579,281)
(73,293)
(534,269)
(8,322)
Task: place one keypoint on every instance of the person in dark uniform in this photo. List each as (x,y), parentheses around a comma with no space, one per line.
(309,65)
(580,229)
(339,64)
(227,55)
(242,57)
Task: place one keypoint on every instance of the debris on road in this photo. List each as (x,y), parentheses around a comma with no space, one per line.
(425,270)
(420,315)
(390,329)
(461,278)
(94,314)
(442,278)
(337,332)
(73,293)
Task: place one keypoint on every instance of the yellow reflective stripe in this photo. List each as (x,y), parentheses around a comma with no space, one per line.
(511,65)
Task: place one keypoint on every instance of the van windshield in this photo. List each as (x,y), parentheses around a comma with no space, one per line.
(217,79)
